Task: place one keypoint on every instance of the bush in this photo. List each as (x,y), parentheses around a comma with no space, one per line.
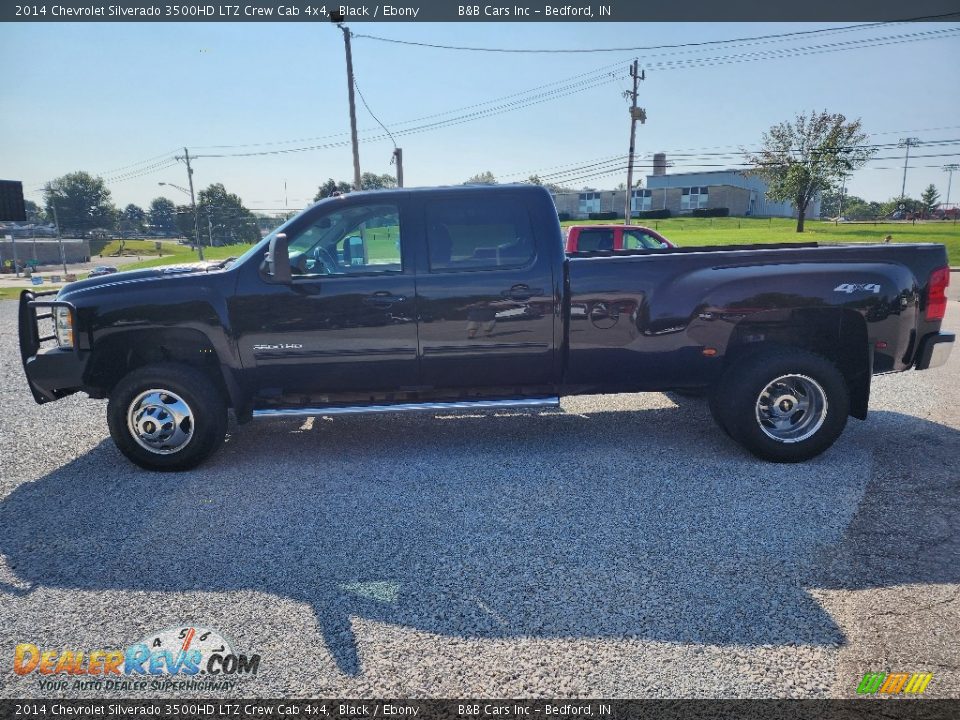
(711,212)
(653,214)
(603,216)
(564,216)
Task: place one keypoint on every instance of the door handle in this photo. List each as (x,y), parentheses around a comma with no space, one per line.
(383,299)
(519,292)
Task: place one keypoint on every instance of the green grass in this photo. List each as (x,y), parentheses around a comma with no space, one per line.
(182,254)
(735,231)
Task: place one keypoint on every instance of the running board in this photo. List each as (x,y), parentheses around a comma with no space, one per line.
(546,402)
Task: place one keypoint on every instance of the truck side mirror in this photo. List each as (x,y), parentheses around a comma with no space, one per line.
(278,259)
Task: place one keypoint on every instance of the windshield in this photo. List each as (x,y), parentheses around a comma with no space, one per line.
(262,245)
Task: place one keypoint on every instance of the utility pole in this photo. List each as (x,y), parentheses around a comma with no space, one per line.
(843,185)
(353,108)
(949,168)
(193,205)
(398,158)
(907,143)
(56,221)
(635,114)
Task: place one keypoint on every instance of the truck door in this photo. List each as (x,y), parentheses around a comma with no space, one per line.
(346,323)
(485,297)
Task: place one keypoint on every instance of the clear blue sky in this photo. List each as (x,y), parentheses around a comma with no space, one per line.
(99,97)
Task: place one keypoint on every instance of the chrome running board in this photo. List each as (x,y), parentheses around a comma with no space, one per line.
(545,402)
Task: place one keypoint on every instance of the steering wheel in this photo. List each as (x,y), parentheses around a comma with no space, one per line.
(328,263)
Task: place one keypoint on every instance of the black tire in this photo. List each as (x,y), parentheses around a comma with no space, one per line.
(754,399)
(175,445)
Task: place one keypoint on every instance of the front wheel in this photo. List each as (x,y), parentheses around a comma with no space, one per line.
(783,405)
(166,417)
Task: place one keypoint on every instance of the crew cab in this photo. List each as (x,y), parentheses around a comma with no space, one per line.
(589,238)
(461,298)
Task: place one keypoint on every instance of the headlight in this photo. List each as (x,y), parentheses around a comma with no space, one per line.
(63,326)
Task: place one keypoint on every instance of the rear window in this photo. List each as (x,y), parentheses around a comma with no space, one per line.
(589,240)
(478,234)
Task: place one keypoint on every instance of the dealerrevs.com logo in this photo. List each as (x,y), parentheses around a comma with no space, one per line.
(183,658)
(894,683)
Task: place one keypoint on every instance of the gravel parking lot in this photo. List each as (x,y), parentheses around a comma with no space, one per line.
(620,548)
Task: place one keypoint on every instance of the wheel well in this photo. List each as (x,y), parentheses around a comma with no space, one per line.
(117,355)
(838,335)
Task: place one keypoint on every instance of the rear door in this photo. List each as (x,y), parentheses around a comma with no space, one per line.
(485,296)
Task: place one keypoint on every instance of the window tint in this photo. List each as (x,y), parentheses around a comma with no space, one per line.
(353,240)
(478,234)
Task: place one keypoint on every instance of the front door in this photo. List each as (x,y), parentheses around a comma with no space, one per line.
(346,324)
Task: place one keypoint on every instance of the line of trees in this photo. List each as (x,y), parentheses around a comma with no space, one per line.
(84,205)
(856,208)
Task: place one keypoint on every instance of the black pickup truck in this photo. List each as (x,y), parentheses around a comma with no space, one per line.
(462,298)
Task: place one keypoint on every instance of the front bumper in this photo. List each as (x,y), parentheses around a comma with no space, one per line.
(934,350)
(51,372)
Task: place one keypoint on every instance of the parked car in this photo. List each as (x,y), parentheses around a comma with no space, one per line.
(100,270)
(331,314)
(593,238)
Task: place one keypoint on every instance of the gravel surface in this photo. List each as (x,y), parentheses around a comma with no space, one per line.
(620,548)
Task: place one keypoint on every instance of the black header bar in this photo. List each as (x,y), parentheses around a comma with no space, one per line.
(498,11)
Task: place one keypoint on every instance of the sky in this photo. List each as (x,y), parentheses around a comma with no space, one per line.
(119,100)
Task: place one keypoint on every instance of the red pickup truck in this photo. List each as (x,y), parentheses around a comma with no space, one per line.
(588,238)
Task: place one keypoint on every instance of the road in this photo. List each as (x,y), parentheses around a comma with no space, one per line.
(620,548)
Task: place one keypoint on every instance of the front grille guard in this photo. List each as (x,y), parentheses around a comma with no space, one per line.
(29,322)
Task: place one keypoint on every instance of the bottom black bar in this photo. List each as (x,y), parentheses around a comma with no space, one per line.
(336,709)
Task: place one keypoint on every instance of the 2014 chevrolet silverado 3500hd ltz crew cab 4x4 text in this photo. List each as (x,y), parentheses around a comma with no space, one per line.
(463,298)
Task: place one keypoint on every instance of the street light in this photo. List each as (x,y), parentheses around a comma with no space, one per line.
(196,215)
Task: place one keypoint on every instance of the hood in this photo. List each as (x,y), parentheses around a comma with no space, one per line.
(122,278)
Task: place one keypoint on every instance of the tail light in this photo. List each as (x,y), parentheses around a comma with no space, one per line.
(937,293)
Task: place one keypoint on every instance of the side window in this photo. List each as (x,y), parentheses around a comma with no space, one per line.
(353,240)
(639,240)
(478,234)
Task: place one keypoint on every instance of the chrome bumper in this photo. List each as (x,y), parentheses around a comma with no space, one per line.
(934,350)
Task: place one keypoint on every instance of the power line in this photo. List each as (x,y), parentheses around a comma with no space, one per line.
(573,88)
(647,48)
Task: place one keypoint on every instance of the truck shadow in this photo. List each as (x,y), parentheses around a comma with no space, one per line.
(644,524)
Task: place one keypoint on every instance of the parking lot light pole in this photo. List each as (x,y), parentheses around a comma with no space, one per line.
(193,205)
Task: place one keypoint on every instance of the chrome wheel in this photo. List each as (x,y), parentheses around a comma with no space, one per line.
(160,421)
(791,408)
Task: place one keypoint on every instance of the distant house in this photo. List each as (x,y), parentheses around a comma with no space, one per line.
(682,193)
(743,194)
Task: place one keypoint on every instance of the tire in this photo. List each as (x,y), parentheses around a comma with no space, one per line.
(783,405)
(167,417)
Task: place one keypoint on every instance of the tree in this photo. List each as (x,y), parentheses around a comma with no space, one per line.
(82,202)
(930,198)
(223,218)
(35,213)
(330,187)
(163,215)
(372,181)
(133,219)
(484,178)
(368,181)
(808,156)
